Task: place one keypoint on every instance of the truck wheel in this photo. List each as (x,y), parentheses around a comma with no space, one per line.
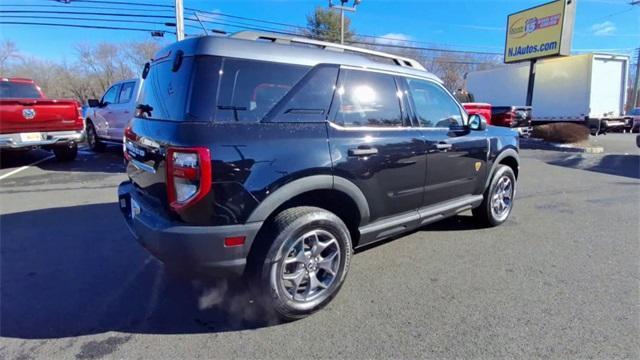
(92,138)
(498,198)
(306,264)
(67,152)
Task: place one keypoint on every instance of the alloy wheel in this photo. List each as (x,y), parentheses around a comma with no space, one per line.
(502,198)
(310,266)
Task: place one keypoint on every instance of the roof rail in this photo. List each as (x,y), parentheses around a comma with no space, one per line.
(289,39)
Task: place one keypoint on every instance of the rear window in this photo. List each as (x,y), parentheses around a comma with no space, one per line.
(211,88)
(10,89)
(165,92)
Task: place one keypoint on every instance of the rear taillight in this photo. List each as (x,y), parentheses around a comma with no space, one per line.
(188,176)
(80,119)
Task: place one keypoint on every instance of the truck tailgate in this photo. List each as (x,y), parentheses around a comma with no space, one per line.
(30,115)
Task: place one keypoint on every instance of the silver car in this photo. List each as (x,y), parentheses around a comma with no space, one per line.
(107,118)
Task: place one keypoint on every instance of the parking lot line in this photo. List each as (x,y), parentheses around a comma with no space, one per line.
(25,167)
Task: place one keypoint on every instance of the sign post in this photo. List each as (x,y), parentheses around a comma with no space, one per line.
(542,31)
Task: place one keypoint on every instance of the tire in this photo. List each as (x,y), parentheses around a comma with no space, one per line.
(503,186)
(67,152)
(92,138)
(292,255)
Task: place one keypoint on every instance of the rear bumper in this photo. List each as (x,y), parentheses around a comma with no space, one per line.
(47,138)
(198,249)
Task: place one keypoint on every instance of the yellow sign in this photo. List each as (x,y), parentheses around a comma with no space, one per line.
(541,31)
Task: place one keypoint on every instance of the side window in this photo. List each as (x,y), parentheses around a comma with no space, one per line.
(311,101)
(249,89)
(111,95)
(433,106)
(367,99)
(126,92)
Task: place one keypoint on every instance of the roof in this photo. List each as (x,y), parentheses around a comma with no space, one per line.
(293,50)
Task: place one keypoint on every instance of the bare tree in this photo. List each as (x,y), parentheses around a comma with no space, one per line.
(8,51)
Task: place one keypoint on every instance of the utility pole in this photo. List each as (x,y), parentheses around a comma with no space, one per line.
(636,85)
(342,9)
(179,20)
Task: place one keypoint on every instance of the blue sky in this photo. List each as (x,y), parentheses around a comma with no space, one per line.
(605,25)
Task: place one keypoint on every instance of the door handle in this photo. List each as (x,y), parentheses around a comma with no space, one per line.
(363,152)
(443,146)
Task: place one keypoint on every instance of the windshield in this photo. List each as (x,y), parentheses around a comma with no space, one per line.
(18,90)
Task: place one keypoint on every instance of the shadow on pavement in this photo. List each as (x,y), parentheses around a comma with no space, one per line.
(454,223)
(621,165)
(109,161)
(80,272)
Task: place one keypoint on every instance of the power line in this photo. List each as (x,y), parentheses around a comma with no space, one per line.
(86,19)
(79,7)
(82,13)
(241,25)
(302,28)
(81,26)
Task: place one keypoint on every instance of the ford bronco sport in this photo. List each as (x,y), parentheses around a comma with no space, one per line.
(275,157)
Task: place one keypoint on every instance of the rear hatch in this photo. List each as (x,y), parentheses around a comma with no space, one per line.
(31,115)
(161,123)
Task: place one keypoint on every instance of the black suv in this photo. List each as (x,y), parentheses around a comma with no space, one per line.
(275,157)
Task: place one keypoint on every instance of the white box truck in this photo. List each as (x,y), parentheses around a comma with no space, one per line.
(589,88)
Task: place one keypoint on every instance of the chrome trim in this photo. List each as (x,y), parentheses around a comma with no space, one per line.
(13,140)
(142,166)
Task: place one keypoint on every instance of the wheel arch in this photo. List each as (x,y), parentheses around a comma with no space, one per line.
(507,157)
(335,194)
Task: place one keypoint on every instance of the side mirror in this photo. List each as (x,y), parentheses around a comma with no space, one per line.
(477,122)
(93,103)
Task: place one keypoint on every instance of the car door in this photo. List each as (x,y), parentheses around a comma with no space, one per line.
(122,113)
(456,157)
(104,115)
(374,146)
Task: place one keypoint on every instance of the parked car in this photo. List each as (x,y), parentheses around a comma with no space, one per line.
(108,117)
(275,157)
(482,109)
(634,120)
(29,120)
(469,103)
(516,117)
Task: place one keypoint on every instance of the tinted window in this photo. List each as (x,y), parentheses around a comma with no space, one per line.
(311,100)
(164,92)
(111,95)
(10,89)
(433,106)
(249,89)
(367,99)
(126,92)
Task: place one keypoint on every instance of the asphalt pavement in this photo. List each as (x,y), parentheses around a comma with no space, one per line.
(559,280)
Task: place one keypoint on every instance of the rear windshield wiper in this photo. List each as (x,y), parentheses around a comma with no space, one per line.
(234,108)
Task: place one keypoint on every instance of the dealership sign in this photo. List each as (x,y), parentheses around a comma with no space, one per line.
(542,31)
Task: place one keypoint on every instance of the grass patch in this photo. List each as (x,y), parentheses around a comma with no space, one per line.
(563,133)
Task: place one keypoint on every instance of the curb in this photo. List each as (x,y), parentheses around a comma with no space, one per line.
(535,144)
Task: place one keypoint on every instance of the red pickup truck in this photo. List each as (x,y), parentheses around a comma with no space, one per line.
(29,120)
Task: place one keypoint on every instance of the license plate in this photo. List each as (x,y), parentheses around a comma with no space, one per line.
(30,137)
